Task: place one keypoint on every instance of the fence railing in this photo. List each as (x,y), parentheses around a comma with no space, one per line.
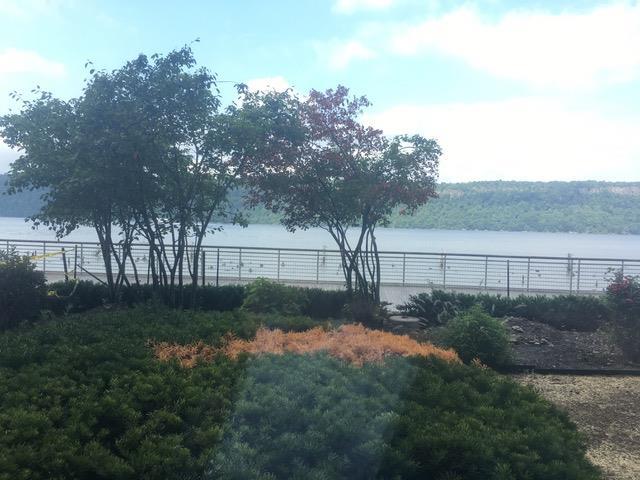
(452,271)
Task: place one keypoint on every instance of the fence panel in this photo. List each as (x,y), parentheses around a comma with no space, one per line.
(490,273)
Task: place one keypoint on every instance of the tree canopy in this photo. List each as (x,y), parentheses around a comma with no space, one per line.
(312,161)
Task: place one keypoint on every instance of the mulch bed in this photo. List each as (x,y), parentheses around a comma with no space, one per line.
(541,345)
(606,409)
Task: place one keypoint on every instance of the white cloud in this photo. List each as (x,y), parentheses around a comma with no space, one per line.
(14,61)
(542,49)
(351,6)
(277,83)
(522,139)
(27,9)
(339,55)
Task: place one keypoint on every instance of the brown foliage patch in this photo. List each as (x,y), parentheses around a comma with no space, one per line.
(188,355)
(353,343)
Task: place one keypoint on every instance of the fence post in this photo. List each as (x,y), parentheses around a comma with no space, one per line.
(278,271)
(444,271)
(486,271)
(508,279)
(570,271)
(578,279)
(64,265)
(404,267)
(240,264)
(317,266)
(218,269)
(528,273)
(81,256)
(75,261)
(44,257)
(149,260)
(204,279)
(622,267)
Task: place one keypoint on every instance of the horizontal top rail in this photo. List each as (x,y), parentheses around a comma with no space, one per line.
(314,250)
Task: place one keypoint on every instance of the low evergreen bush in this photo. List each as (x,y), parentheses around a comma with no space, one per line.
(363,310)
(477,335)
(315,417)
(83,397)
(324,303)
(22,290)
(267,296)
(564,312)
(68,297)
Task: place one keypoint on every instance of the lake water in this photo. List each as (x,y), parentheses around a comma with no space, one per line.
(392,239)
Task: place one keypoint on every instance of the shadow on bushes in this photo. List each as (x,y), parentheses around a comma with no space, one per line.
(22,290)
(261,296)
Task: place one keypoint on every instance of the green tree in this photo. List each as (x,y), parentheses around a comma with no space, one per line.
(137,155)
(312,161)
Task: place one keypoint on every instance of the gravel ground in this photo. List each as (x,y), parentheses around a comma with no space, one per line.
(606,410)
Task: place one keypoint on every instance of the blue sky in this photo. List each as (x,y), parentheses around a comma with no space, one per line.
(538,90)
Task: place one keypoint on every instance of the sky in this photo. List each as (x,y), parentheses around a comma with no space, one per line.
(512,90)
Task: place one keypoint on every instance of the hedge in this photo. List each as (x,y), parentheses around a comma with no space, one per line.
(565,312)
(315,417)
(312,302)
(83,397)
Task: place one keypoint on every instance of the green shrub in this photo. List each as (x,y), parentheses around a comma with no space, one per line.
(432,308)
(22,290)
(84,398)
(288,323)
(363,310)
(267,296)
(87,295)
(623,293)
(316,417)
(74,297)
(564,312)
(477,335)
(324,303)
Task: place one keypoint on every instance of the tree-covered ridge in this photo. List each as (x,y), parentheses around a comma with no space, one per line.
(586,207)
(589,207)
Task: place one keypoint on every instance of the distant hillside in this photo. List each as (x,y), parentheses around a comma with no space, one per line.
(20,205)
(589,207)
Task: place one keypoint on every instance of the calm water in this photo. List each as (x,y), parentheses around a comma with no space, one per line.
(393,239)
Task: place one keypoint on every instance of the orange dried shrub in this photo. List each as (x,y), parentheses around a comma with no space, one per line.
(187,355)
(352,343)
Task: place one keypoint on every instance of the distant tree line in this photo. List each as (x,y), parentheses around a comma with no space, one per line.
(148,153)
(584,207)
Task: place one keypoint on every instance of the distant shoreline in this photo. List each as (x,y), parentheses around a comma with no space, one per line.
(591,207)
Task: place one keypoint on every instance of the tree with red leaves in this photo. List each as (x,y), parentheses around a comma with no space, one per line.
(311,160)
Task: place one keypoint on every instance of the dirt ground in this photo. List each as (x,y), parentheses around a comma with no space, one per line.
(541,345)
(606,410)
